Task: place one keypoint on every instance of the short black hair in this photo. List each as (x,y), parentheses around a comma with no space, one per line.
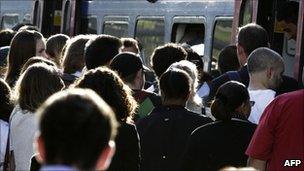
(228,60)
(6,37)
(175,84)
(252,36)
(164,56)
(101,50)
(288,11)
(75,125)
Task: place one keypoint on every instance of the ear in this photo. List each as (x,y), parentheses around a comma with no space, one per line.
(240,108)
(241,54)
(106,156)
(269,72)
(41,149)
(139,75)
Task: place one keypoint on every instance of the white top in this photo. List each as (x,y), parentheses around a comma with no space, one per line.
(261,98)
(23,125)
(3,140)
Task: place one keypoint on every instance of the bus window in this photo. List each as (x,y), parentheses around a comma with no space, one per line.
(90,25)
(191,34)
(221,38)
(150,33)
(116,28)
(245,13)
(27,18)
(9,20)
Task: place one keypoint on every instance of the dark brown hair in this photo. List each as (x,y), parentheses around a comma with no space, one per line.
(76,125)
(37,59)
(35,85)
(228,98)
(73,57)
(164,56)
(252,36)
(6,37)
(54,46)
(6,106)
(175,84)
(111,88)
(22,48)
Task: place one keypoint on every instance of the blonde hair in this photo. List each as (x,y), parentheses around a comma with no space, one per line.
(191,70)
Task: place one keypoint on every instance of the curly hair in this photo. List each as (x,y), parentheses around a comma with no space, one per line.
(111,88)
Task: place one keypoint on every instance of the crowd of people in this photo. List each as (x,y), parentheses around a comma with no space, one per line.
(89,103)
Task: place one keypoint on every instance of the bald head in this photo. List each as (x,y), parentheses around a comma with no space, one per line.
(262,59)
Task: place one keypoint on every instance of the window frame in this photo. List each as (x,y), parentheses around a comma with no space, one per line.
(217,19)
(242,12)
(162,18)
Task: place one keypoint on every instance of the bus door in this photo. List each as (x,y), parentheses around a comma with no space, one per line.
(264,13)
(47,16)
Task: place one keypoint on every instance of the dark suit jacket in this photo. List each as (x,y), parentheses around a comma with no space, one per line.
(164,134)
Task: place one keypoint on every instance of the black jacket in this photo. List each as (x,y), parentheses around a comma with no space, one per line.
(217,145)
(127,154)
(164,134)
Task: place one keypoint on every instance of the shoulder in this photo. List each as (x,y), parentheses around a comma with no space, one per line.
(197,117)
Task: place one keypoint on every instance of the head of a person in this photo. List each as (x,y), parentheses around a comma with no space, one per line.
(250,37)
(288,15)
(195,58)
(231,100)
(100,50)
(129,67)
(54,46)
(6,37)
(5,101)
(190,69)
(77,129)
(37,59)
(266,66)
(107,84)
(164,56)
(24,45)
(130,45)
(23,26)
(29,28)
(228,60)
(35,85)
(175,86)
(73,57)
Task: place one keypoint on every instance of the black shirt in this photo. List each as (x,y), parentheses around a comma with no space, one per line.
(164,134)
(127,154)
(219,144)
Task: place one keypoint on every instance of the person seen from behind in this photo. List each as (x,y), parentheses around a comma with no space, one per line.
(34,86)
(164,133)
(223,142)
(76,132)
(112,89)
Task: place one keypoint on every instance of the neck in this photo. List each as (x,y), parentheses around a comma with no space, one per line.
(133,86)
(256,83)
(174,102)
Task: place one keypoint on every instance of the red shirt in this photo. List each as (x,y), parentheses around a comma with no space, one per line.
(279,135)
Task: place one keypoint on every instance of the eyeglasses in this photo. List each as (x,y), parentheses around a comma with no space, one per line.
(251,103)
